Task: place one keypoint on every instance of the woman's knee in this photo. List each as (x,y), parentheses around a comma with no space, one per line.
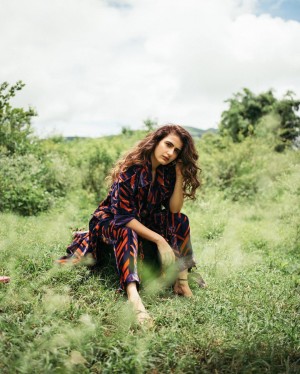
(127,232)
(179,218)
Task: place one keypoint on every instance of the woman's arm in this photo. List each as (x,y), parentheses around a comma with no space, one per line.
(176,200)
(143,231)
(165,251)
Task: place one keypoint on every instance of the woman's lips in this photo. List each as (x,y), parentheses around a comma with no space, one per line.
(165,158)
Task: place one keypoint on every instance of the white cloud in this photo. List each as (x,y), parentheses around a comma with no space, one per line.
(90,67)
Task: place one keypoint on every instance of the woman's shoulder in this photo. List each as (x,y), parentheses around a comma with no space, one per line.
(131,172)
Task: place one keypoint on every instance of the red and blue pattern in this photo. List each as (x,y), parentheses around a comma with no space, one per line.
(135,196)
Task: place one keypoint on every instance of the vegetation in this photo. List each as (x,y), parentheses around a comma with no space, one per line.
(246,237)
(197,133)
(150,125)
(15,128)
(32,178)
(246,110)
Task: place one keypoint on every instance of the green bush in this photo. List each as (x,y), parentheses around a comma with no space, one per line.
(231,167)
(31,176)
(93,158)
(243,170)
(98,166)
(29,184)
(247,109)
(15,123)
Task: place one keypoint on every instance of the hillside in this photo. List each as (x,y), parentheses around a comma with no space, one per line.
(197,133)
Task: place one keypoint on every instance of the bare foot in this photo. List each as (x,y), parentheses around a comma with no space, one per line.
(4,279)
(182,288)
(142,316)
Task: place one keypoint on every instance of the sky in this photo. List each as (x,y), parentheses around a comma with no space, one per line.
(92,67)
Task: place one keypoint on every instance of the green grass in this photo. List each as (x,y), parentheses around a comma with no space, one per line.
(69,320)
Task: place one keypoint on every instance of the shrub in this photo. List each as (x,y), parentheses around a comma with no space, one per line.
(247,109)
(98,166)
(15,123)
(29,185)
(235,168)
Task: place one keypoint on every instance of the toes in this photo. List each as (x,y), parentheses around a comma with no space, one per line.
(144,319)
(4,279)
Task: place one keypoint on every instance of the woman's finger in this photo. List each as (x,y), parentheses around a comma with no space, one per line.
(171,258)
(166,260)
(167,256)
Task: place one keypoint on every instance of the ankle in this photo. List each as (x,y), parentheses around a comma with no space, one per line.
(182,281)
(132,292)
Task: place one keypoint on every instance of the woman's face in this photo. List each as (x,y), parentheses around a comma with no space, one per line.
(166,150)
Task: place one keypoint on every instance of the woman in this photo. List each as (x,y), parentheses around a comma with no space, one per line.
(149,185)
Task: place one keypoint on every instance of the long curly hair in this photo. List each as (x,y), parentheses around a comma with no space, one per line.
(141,153)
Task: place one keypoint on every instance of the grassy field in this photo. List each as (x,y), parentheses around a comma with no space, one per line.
(245,231)
(69,320)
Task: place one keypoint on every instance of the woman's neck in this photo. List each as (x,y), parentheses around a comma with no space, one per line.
(154,163)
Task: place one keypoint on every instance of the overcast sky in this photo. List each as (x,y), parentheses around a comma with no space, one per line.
(93,66)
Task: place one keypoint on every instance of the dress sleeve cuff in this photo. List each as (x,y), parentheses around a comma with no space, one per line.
(122,220)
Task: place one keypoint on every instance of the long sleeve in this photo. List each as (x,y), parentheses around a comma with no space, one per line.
(123,204)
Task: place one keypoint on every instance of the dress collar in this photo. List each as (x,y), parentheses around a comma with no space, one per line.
(146,174)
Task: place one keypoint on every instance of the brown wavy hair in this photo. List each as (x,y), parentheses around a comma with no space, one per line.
(141,153)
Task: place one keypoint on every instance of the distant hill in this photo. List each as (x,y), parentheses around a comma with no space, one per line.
(194,131)
(71,138)
(197,133)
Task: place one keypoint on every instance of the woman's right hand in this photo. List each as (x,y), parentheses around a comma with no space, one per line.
(166,253)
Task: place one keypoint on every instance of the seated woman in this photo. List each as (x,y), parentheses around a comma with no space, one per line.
(148,188)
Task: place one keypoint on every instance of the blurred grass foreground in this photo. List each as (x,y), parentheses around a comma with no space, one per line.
(246,235)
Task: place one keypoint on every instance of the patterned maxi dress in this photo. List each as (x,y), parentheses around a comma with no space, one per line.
(135,195)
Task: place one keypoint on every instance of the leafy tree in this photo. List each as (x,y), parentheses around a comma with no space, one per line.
(126,130)
(247,109)
(290,121)
(32,177)
(15,123)
(150,124)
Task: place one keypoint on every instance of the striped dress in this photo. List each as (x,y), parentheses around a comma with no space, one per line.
(135,195)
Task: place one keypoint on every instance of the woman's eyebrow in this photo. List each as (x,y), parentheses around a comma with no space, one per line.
(174,145)
(178,149)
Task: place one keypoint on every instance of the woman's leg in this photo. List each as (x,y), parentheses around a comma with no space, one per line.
(181,243)
(134,298)
(125,242)
(175,228)
(181,286)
